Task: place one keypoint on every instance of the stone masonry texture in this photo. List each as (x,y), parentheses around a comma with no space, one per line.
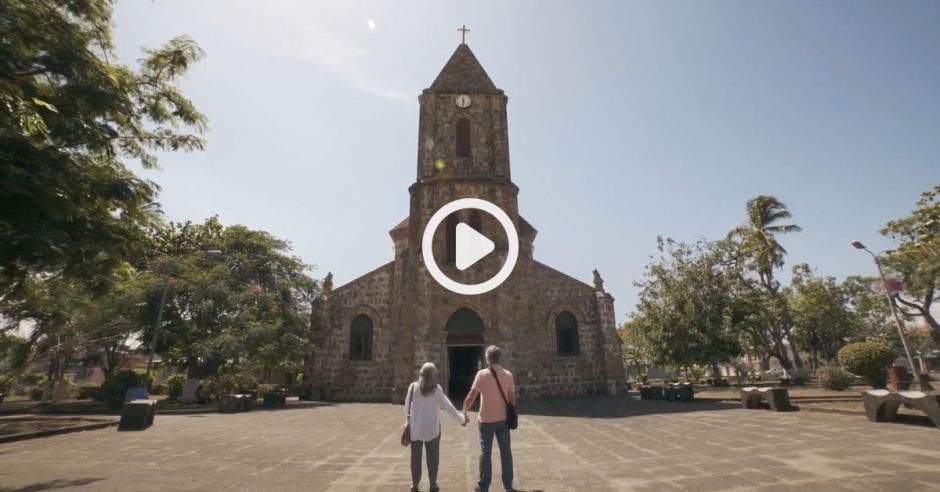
(410,311)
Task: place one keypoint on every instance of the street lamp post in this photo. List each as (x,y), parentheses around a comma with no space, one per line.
(894,312)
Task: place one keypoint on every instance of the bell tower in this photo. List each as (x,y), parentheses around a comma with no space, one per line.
(462,130)
(463,152)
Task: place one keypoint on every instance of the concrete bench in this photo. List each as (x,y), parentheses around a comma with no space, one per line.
(648,392)
(777,398)
(274,399)
(882,405)
(137,414)
(236,403)
(679,392)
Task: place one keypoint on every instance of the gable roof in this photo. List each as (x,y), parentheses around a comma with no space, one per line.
(463,74)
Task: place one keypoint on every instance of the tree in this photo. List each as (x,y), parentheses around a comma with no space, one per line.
(917,259)
(69,116)
(69,324)
(236,298)
(869,308)
(688,313)
(761,253)
(821,320)
(636,352)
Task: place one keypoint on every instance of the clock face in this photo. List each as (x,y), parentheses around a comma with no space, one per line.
(463,101)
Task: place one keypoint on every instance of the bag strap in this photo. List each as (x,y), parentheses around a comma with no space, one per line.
(493,372)
(410,399)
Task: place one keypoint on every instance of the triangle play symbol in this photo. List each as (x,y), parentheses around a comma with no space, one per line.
(471,246)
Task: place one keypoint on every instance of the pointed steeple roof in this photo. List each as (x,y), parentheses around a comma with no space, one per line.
(463,74)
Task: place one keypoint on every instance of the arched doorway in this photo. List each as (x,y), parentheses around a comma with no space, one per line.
(464,352)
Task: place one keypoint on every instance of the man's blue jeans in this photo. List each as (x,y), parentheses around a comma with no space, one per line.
(501,431)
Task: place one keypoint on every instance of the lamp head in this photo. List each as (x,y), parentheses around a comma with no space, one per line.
(858,245)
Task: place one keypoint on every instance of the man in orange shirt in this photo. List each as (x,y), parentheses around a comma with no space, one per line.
(492,416)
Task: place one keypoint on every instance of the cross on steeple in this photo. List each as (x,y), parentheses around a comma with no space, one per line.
(463,34)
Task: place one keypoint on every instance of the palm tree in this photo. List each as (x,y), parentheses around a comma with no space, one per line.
(757,240)
(758,236)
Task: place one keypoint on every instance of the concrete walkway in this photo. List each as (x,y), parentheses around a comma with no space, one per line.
(578,444)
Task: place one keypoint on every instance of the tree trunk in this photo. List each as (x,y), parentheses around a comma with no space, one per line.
(780,352)
(47,392)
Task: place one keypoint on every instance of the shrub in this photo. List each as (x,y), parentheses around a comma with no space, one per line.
(834,378)
(157,389)
(35,393)
(869,360)
(644,378)
(33,378)
(264,389)
(174,386)
(115,387)
(230,382)
(88,392)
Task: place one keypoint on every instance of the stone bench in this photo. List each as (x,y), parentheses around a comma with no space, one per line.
(274,399)
(777,398)
(679,392)
(236,403)
(648,392)
(882,405)
(137,414)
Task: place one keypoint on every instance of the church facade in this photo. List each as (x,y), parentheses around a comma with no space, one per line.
(557,333)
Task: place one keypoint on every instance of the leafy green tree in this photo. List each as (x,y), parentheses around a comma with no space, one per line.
(636,351)
(688,313)
(761,253)
(870,309)
(917,259)
(236,297)
(821,318)
(69,324)
(70,114)
(13,351)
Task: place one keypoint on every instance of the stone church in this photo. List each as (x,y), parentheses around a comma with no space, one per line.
(558,334)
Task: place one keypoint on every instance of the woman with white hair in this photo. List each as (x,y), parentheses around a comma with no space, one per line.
(423,425)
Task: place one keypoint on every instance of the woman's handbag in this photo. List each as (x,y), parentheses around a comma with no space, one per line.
(406,432)
(512,417)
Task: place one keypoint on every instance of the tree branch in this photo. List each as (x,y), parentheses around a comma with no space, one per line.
(920,310)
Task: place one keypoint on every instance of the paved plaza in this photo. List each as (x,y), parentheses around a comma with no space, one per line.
(576,444)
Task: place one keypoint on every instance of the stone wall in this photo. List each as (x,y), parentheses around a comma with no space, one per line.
(519,316)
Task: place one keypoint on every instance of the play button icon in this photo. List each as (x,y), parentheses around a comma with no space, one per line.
(471,246)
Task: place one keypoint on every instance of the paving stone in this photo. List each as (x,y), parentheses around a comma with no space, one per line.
(616,444)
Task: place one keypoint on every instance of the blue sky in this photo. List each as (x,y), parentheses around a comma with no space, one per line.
(626,120)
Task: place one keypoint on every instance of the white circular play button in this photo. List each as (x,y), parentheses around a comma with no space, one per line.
(471,246)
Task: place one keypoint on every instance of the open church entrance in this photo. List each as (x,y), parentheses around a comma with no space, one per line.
(464,352)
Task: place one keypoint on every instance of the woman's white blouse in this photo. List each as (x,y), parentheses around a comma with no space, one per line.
(425,420)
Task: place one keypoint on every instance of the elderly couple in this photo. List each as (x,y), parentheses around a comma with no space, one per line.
(425,398)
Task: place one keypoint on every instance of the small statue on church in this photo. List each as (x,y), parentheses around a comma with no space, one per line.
(328,283)
(598,281)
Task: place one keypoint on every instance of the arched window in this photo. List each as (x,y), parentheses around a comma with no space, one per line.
(475,221)
(450,238)
(360,338)
(463,137)
(566,334)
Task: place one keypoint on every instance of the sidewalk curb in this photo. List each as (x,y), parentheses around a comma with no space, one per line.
(54,432)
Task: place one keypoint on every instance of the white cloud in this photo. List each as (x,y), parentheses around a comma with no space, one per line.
(310,34)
